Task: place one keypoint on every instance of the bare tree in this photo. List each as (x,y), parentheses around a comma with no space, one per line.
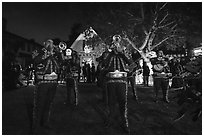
(146,26)
(161,30)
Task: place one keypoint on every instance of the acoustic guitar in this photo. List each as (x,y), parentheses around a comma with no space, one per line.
(159,68)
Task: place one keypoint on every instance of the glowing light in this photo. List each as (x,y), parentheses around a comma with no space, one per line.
(197,51)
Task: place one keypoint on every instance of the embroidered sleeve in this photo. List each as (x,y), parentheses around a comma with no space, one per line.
(127,60)
(107,57)
(46,54)
(38,56)
(167,69)
(35,54)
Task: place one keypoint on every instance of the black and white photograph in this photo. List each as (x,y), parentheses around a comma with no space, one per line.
(101,68)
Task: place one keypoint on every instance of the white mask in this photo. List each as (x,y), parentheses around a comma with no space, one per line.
(68,52)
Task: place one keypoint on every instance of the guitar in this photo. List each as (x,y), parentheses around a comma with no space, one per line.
(160,70)
(132,69)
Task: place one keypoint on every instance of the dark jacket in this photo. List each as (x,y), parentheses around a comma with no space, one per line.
(45,63)
(146,70)
(116,61)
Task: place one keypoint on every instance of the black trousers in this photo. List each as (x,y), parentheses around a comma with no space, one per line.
(162,83)
(117,93)
(93,78)
(72,87)
(146,80)
(101,82)
(177,82)
(131,79)
(44,94)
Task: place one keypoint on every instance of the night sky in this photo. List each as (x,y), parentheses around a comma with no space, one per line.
(40,21)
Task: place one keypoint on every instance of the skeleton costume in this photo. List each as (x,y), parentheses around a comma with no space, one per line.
(161,73)
(101,78)
(70,61)
(131,77)
(46,73)
(116,84)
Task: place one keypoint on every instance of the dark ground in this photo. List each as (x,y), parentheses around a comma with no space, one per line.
(147,118)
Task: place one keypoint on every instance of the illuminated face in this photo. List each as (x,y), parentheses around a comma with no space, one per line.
(116,42)
(160,53)
(49,45)
(116,38)
(68,52)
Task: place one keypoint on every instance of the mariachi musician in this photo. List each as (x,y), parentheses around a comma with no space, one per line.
(100,74)
(116,82)
(133,67)
(161,75)
(46,73)
(71,63)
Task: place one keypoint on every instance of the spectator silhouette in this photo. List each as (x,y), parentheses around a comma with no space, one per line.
(146,72)
(93,73)
(88,73)
(84,72)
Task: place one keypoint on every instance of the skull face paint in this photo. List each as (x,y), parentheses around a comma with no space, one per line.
(68,53)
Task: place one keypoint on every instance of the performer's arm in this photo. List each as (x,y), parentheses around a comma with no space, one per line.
(126,59)
(62,57)
(107,57)
(37,56)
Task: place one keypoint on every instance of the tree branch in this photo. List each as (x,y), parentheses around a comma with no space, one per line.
(164,17)
(166,24)
(150,41)
(144,30)
(136,19)
(131,43)
(156,8)
(145,41)
(154,28)
(140,51)
(163,6)
(130,14)
(174,26)
(155,20)
(151,31)
(142,11)
(161,42)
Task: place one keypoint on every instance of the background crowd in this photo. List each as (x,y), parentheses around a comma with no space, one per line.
(20,77)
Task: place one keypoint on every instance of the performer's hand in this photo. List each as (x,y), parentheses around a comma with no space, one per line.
(169,74)
(119,50)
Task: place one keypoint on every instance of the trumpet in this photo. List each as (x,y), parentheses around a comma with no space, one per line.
(62,46)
